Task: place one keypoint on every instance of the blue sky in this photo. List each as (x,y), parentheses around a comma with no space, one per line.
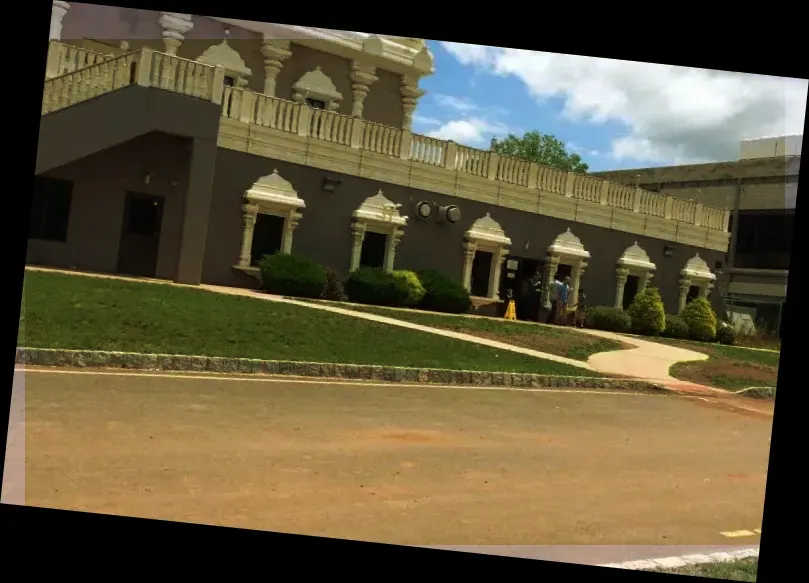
(614,114)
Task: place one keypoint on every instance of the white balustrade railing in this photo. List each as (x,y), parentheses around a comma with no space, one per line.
(102,74)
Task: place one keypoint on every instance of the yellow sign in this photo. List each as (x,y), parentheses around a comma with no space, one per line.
(511,311)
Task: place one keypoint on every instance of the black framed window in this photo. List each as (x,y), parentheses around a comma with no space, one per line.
(316,103)
(50,209)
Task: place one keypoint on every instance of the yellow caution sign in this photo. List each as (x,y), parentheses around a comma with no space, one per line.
(511,311)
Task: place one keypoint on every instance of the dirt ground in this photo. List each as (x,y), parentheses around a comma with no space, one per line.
(406,465)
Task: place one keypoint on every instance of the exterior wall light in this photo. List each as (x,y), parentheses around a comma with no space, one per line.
(424,210)
(449,214)
(330,183)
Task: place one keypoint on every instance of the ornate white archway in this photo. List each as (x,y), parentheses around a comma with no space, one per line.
(317,85)
(486,235)
(696,272)
(634,261)
(377,214)
(269,195)
(566,249)
(225,56)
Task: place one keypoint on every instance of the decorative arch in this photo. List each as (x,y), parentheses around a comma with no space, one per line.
(566,249)
(377,214)
(225,56)
(695,273)
(634,261)
(269,195)
(317,85)
(485,235)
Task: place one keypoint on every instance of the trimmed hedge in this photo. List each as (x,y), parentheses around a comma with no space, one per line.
(415,291)
(608,319)
(377,287)
(647,313)
(443,294)
(292,275)
(676,327)
(701,320)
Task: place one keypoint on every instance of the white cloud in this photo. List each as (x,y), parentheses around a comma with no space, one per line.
(426,121)
(474,132)
(672,114)
(461,104)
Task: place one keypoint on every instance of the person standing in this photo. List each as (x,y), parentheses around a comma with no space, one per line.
(553,297)
(581,309)
(535,293)
(561,298)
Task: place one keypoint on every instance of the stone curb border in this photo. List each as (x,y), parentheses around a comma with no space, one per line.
(758,393)
(684,560)
(185,363)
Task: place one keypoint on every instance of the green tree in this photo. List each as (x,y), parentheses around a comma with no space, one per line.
(539,148)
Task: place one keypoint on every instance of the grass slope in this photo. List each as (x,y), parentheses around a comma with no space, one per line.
(77,312)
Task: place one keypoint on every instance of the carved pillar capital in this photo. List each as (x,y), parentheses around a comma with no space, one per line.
(411,93)
(175,26)
(621,273)
(362,77)
(275,52)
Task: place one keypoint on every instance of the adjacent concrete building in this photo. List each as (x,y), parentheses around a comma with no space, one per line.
(760,190)
(206,143)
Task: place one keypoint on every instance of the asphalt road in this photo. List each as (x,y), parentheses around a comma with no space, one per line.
(407,465)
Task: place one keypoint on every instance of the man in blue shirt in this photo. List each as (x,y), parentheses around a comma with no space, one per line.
(564,291)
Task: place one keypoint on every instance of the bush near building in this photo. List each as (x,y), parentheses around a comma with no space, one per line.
(415,290)
(375,286)
(647,313)
(443,294)
(608,319)
(292,275)
(701,320)
(676,327)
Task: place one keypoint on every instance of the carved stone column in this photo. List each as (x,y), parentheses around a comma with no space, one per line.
(362,77)
(275,52)
(249,215)
(621,273)
(390,251)
(290,224)
(645,279)
(497,268)
(410,97)
(578,272)
(685,285)
(551,265)
(705,289)
(469,249)
(58,12)
(357,237)
(175,27)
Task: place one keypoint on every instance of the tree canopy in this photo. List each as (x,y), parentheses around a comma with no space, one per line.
(539,148)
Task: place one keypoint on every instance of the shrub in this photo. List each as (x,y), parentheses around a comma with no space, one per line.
(647,313)
(372,285)
(608,319)
(725,334)
(415,291)
(443,294)
(701,320)
(334,289)
(291,275)
(676,327)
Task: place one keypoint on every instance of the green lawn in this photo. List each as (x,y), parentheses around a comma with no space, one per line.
(728,367)
(549,339)
(78,312)
(742,570)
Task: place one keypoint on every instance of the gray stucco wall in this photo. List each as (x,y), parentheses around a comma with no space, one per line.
(324,232)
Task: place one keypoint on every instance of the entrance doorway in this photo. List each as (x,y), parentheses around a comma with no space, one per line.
(517,277)
(373,249)
(481,270)
(630,290)
(267,235)
(140,234)
(693,293)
